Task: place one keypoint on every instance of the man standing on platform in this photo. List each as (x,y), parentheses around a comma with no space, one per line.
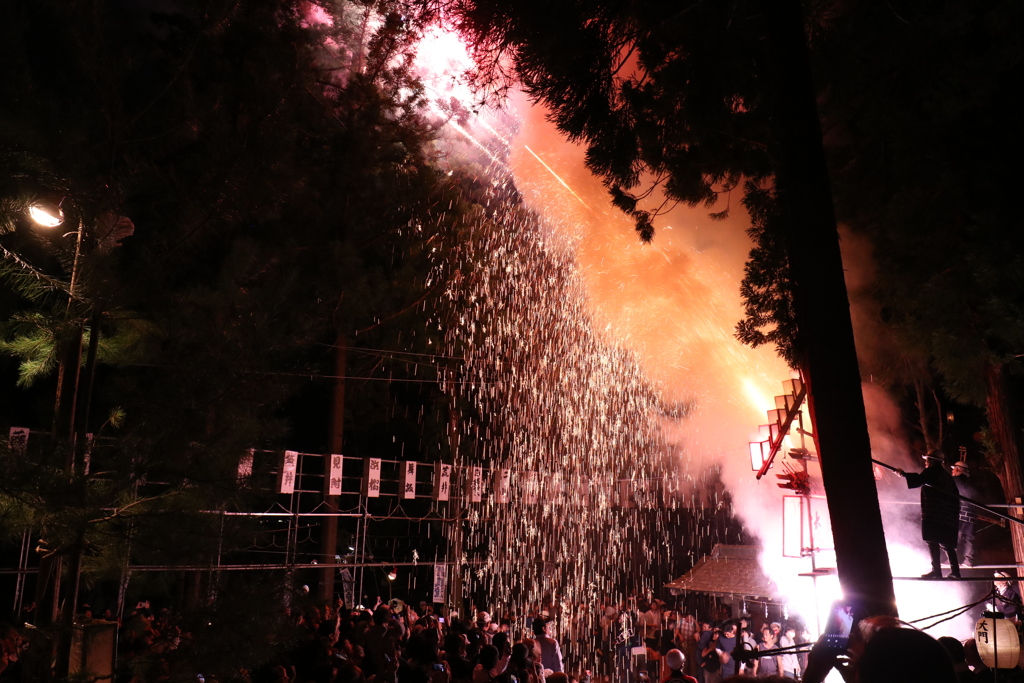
(940,512)
(968,517)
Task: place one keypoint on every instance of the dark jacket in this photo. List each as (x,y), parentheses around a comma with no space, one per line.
(940,506)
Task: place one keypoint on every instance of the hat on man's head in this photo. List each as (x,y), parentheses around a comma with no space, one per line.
(935,454)
(1003,575)
(675,660)
(962,465)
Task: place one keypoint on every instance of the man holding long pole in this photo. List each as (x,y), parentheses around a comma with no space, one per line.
(940,512)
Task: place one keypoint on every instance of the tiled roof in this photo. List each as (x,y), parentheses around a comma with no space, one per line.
(730,570)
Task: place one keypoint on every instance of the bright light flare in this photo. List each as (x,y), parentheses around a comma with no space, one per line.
(46,216)
(442,61)
(552,172)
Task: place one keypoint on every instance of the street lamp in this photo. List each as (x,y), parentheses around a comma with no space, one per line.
(46,214)
(50,215)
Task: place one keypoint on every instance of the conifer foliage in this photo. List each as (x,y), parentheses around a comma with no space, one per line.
(275,167)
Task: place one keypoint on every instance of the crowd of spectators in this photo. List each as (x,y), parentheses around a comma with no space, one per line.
(630,643)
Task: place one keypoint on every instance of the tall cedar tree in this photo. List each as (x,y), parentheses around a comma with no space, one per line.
(924,148)
(280,191)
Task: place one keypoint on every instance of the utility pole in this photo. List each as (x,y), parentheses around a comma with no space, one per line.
(455,508)
(335,440)
(825,346)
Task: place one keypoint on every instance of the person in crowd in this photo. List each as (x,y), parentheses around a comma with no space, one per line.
(707,668)
(381,644)
(717,655)
(675,661)
(550,652)
(459,665)
(1008,596)
(10,647)
(521,668)
(955,649)
(686,641)
(789,663)
(767,665)
(940,512)
(669,627)
(649,624)
(747,642)
(881,651)
(490,665)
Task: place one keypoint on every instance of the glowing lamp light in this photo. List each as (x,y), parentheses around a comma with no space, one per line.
(392,574)
(785,402)
(758,453)
(46,214)
(770,431)
(998,642)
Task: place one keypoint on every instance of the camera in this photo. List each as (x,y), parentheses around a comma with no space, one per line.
(841,620)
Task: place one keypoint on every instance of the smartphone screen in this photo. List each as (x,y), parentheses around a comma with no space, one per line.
(838,626)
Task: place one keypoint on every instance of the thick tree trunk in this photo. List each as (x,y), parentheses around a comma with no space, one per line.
(825,344)
(455,508)
(335,439)
(1000,422)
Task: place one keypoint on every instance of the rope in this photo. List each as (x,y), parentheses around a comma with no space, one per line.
(971,501)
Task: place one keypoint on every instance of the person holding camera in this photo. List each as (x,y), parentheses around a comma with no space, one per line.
(716,656)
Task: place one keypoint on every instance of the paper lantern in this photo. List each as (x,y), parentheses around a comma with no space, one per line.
(998,642)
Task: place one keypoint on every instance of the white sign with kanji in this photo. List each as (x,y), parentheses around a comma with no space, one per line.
(626,493)
(555,488)
(407,481)
(348,587)
(440,580)
(371,477)
(286,475)
(531,488)
(442,481)
(502,482)
(332,483)
(475,485)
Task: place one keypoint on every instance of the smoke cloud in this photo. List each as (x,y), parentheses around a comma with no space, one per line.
(675,303)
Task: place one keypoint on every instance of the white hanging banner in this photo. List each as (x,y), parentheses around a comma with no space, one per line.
(371,477)
(18,439)
(332,481)
(442,481)
(475,485)
(531,487)
(502,484)
(440,582)
(407,481)
(625,493)
(580,493)
(348,587)
(555,488)
(286,475)
(245,465)
(606,494)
